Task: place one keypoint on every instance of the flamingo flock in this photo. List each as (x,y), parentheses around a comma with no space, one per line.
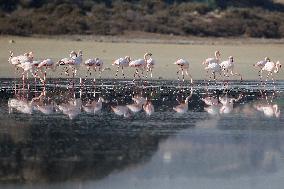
(214,66)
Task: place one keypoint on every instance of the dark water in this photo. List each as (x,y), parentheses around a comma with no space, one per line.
(243,148)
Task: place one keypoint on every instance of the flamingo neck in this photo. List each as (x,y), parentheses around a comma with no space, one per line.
(146,56)
(276,68)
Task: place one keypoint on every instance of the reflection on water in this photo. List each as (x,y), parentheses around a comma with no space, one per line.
(76,138)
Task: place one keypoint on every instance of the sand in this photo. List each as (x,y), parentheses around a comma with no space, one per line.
(245,54)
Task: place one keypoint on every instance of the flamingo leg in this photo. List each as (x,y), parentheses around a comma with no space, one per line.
(182,75)
(147,71)
(100,73)
(261,72)
(237,74)
(178,74)
(116,72)
(122,71)
(191,80)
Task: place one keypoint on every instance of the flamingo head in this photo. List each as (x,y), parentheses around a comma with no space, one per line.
(278,64)
(31,54)
(80,53)
(72,54)
(128,58)
(217,54)
(267,59)
(231,58)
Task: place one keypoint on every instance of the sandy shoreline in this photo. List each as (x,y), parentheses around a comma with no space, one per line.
(165,53)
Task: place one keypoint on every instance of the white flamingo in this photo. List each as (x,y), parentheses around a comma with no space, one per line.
(183,107)
(47,64)
(140,64)
(73,62)
(95,64)
(260,64)
(270,67)
(228,66)
(16,60)
(212,64)
(25,62)
(94,106)
(183,65)
(216,59)
(121,111)
(121,63)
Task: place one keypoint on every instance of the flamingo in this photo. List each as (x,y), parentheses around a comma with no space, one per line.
(183,107)
(140,64)
(121,63)
(260,64)
(121,110)
(73,62)
(228,65)
(212,64)
(269,110)
(95,64)
(25,62)
(16,60)
(270,67)
(216,59)
(214,68)
(183,65)
(148,108)
(47,64)
(94,107)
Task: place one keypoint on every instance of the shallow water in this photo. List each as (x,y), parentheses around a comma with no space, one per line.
(240,149)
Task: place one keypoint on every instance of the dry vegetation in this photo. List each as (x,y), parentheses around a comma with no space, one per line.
(217,18)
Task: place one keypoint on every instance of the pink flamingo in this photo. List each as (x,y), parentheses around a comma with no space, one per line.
(270,67)
(183,65)
(121,63)
(228,66)
(212,64)
(140,64)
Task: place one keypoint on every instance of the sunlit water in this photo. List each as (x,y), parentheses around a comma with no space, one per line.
(241,149)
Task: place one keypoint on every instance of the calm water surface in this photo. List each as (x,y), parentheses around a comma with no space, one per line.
(243,148)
